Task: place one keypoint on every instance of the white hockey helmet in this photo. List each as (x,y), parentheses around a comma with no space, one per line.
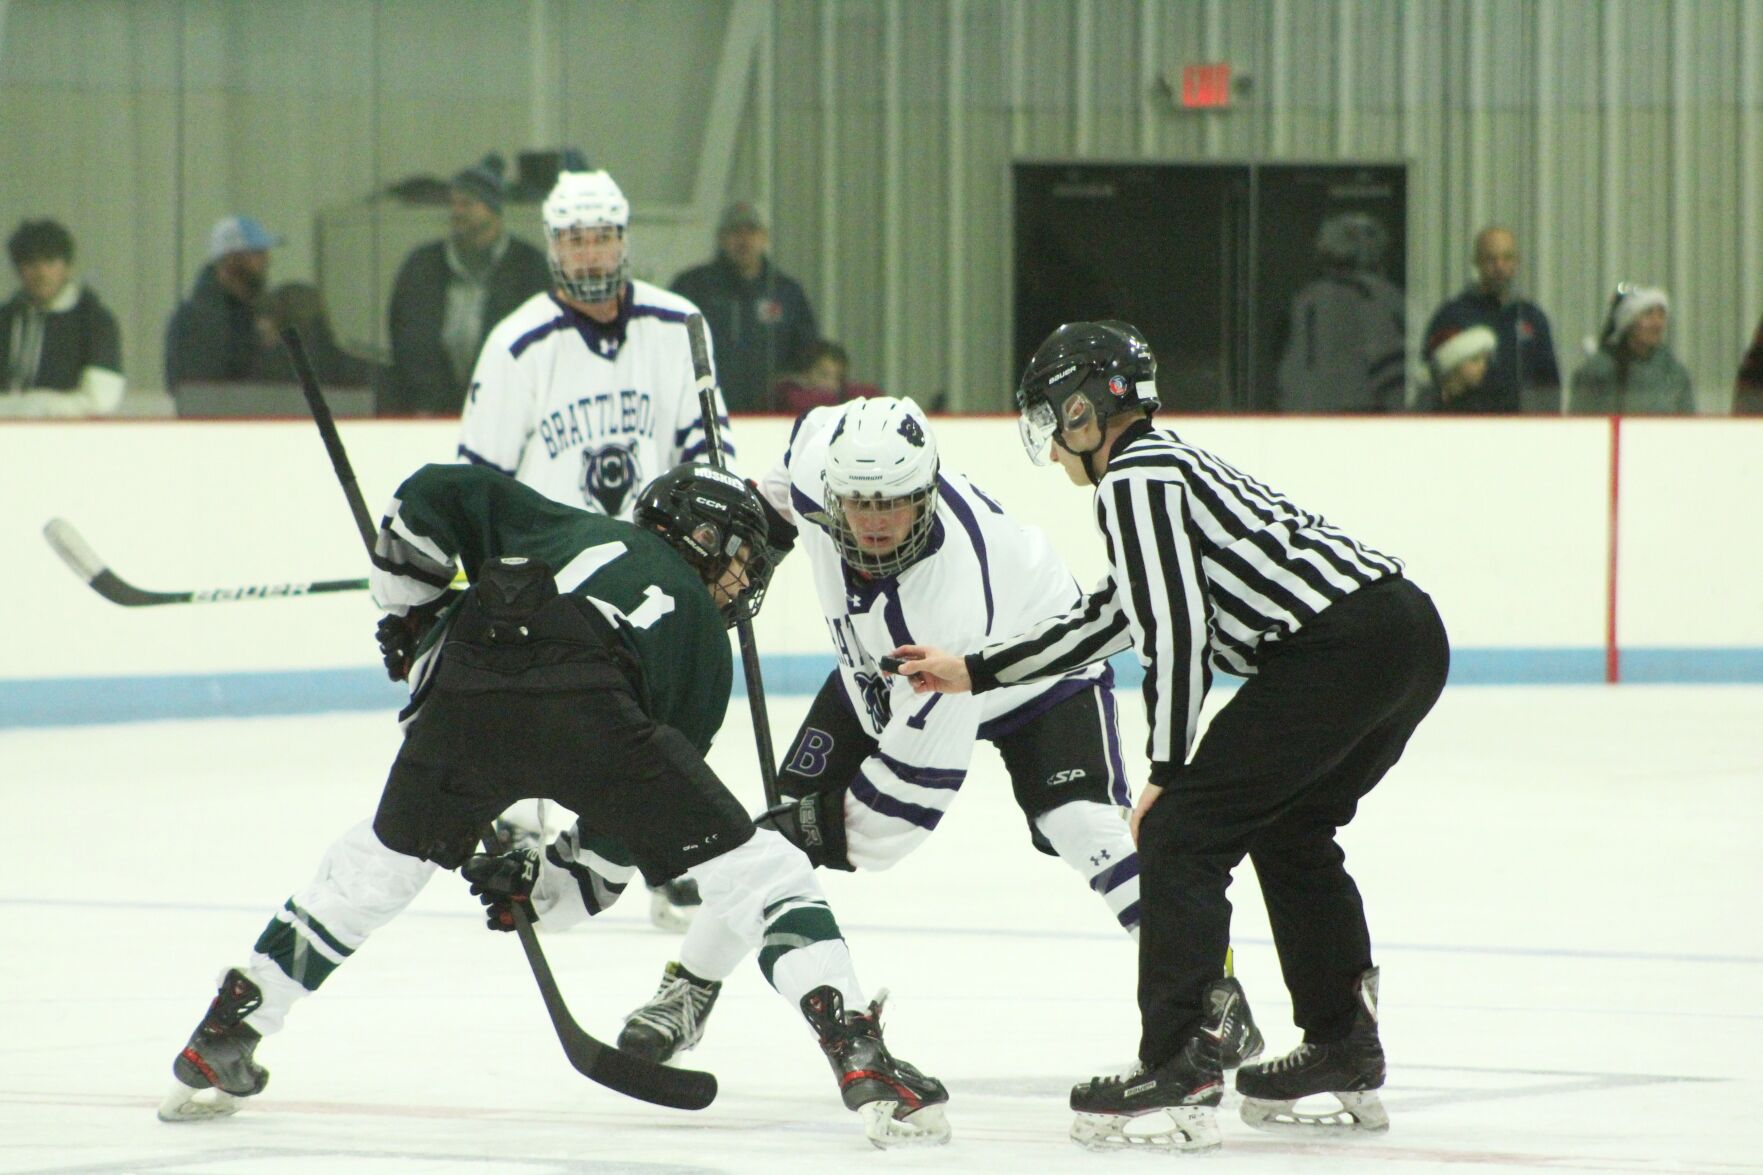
(882,457)
(587,200)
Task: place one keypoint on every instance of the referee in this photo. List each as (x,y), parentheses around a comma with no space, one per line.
(1343,658)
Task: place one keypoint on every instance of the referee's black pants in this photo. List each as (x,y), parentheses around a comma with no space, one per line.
(1283,766)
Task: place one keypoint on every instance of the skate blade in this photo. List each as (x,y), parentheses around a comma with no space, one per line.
(1187,1129)
(924,1127)
(187,1104)
(1360,1113)
(664,915)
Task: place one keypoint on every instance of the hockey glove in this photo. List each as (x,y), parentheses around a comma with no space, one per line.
(780,532)
(500,881)
(814,823)
(399,636)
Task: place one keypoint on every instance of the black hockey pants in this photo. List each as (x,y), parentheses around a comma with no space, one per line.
(1283,766)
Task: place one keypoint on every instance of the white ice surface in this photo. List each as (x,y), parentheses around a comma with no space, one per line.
(1562,885)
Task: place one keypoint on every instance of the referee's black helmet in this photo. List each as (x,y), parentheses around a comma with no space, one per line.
(1109,364)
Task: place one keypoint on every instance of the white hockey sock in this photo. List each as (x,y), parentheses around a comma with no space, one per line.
(1094,839)
(360,886)
(764,895)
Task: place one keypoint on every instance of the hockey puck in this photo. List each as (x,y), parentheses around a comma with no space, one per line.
(891,664)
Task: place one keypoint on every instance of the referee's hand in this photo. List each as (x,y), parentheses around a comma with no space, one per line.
(932,671)
(1146,799)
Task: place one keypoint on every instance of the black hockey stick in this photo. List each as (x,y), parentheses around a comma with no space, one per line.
(706,379)
(683,1089)
(84,562)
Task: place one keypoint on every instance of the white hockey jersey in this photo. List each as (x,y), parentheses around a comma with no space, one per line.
(588,413)
(984,576)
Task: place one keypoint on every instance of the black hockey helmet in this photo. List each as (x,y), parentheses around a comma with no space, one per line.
(707,515)
(1109,364)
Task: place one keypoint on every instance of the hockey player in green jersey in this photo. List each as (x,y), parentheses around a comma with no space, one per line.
(588,664)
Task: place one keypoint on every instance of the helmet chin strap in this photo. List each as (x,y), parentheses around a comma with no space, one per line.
(1088,456)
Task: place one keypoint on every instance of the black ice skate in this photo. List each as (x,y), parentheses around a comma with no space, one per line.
(1351,1070)
(900,1105)
(674,904)
(218,1057)
(673,1020)
(1173,1107)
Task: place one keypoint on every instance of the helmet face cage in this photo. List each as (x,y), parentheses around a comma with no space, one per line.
(585,284)
(880,564)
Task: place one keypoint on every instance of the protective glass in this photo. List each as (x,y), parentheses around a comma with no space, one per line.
(859,527)
(1037,424)
(589,262)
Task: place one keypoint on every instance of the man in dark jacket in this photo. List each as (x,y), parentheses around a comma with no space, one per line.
(759,317)
(213,334)
(1522,375)
(450,292)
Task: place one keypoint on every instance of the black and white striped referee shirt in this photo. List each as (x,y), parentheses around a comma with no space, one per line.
(1205,565)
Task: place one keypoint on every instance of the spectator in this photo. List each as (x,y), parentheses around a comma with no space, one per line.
(1747,390)
(1522,374)
(759,318)
(60,351)
(450,292)
(823,380)
(299,305)
(1457,366)
(1632,371)
(213,335)
(1345,349)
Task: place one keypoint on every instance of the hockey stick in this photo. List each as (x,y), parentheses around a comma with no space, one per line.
(84,562)
(706,380)
(683,1089)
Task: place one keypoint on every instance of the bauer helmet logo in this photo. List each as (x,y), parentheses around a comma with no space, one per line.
(703,538)
(1117,385)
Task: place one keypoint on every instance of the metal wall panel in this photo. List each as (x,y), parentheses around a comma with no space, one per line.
(1620,139)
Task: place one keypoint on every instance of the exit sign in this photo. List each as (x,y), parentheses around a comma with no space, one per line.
(1205,87)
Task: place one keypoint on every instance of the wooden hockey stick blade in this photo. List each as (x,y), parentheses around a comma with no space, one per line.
(680,1089)
(85,563)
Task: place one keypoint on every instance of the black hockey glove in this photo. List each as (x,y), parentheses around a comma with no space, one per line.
(399,636)
(814,823)
(780,532)
(500,881)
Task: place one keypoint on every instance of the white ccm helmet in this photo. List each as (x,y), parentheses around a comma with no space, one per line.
(587,199)
(881,456)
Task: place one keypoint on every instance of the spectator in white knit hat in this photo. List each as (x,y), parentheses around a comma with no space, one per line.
(1630,370)
(1456,366)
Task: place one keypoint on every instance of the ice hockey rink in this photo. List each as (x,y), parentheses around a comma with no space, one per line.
(1562,883)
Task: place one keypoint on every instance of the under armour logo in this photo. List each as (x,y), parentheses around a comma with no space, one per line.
(1100,857)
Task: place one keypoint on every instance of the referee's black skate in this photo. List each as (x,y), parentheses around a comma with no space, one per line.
(673,1019)
(1351,1070)
(218,1057)
(900,1106)
(1173,1107)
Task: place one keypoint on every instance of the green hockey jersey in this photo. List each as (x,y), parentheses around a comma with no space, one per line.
(445,516)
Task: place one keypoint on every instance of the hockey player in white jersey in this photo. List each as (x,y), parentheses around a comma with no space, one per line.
(586,393)
(899,549)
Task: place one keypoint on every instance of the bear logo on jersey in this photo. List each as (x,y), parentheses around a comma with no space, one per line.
(609,475)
